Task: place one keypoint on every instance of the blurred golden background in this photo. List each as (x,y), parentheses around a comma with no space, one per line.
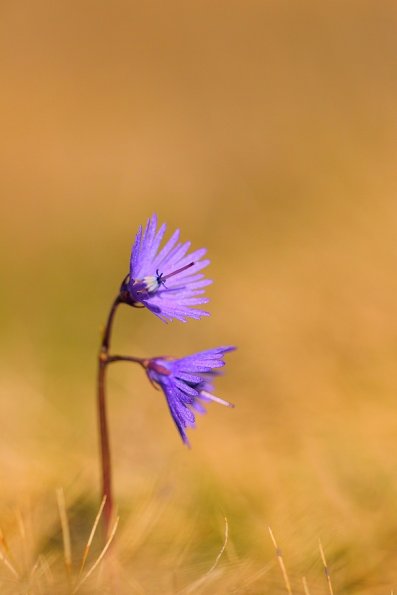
(266,131)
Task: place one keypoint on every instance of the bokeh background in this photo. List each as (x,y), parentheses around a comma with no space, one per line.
(266,131)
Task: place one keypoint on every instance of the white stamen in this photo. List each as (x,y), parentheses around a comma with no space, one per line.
(151,283)
(216,399)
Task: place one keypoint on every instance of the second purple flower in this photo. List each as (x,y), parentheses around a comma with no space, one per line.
(187,383)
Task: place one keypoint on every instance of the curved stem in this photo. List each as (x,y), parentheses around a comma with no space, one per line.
(126,358)
(108,328)
(103,360)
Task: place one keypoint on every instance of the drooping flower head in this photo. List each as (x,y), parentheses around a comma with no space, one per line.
(168,281)
(187,384)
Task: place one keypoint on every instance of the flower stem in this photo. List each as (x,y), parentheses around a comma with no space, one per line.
(126,358)
(103,360)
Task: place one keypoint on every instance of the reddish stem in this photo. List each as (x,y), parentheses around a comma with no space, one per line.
(106,468)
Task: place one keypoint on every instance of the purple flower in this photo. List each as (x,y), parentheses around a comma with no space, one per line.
(186,383)
(168,281)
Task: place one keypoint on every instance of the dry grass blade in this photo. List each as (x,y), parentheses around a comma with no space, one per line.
(281,562)
(67,548)
(202,580)
(91,537)
(5,556)
(100,557)
(8,564)
(215,564)
(46,570)
(305,586)
(326,571)
(4,545)
(24,544)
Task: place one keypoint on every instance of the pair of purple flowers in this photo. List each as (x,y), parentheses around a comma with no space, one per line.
(169,283)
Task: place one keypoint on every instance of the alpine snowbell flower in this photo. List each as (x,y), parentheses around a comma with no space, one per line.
(167,282)
(187,384)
